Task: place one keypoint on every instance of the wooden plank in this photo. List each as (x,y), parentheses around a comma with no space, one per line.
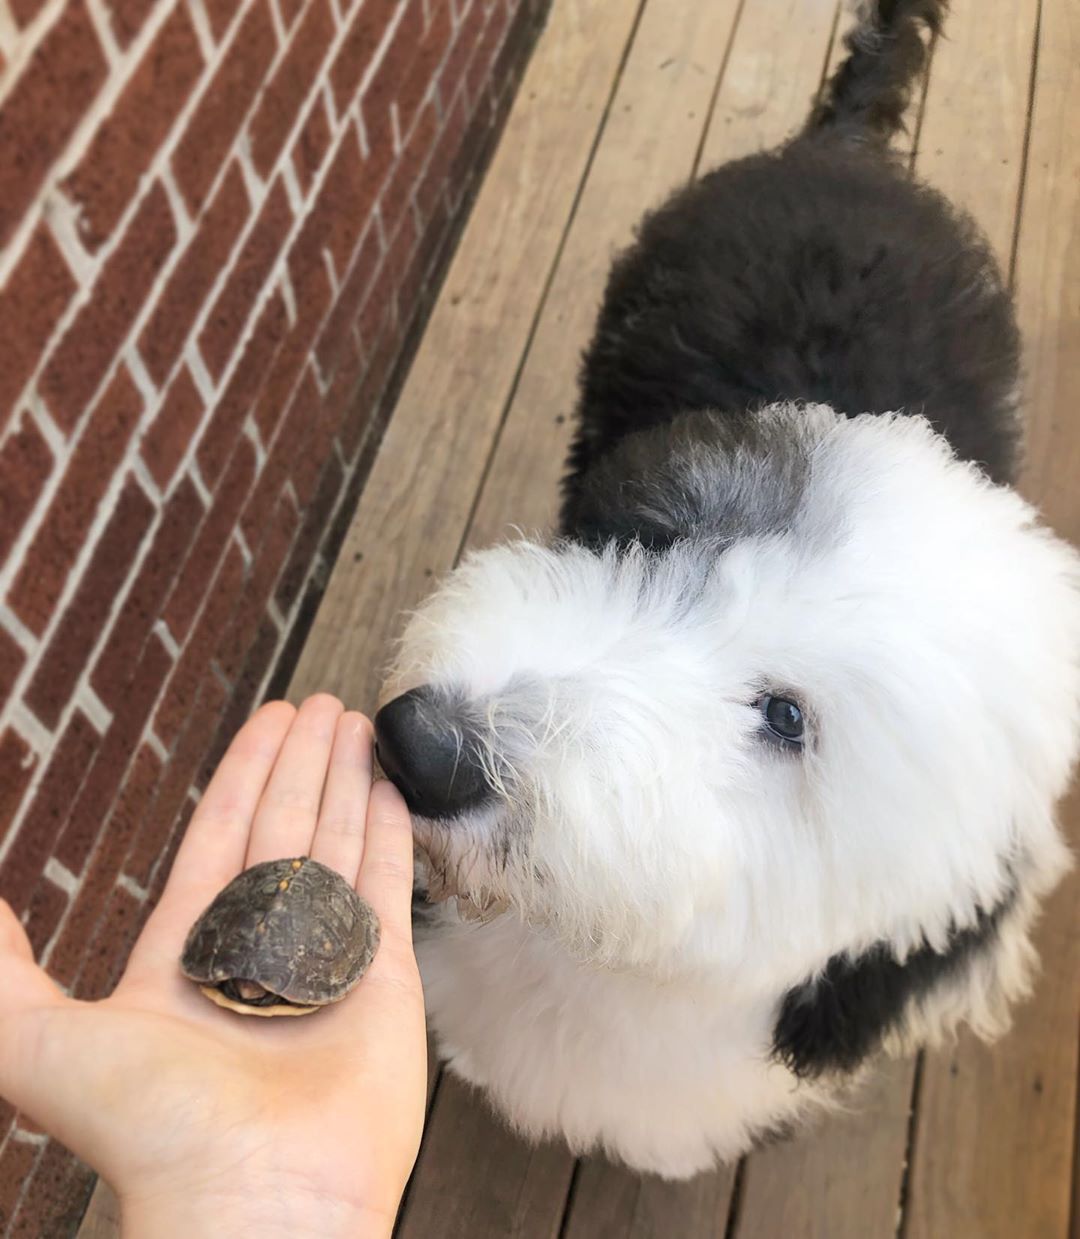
(102,1217)
(974,125)
(840,1180)
(648,147)
(412,513)
(473,1178)
(835,1186)
(610,1202)
(771,78)
(995,1136)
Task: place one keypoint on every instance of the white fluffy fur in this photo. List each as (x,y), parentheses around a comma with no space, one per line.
(667,874)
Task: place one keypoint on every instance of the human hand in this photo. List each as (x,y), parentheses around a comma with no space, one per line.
(206,1122)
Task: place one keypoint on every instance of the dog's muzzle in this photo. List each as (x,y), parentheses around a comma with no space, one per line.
(427,748)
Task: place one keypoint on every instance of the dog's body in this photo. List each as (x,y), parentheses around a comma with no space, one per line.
(753,772)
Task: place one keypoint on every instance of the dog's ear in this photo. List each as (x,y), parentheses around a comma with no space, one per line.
(839,1017)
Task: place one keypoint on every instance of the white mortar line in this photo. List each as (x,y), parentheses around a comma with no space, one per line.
(161,630)
(91,704)
(99,19)
(203,33)
(60,875)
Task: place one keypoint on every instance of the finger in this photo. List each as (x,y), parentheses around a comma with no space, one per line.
(213,849)
(339,834)
(289,808)
(386,871)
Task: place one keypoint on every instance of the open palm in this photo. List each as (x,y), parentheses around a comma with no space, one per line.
(208,1122)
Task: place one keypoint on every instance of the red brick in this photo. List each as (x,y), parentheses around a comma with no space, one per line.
(362,405)
(395,197)
(260,654)
(48,811)
(233,650)
(190,588)
(307,540)
(382,90)
(174,427)
(105,866)
(41,112)
(100,786)
(290,10)
(221,111)
(246,279)
(169,815)
(24,11)
(60,537)
(383,295)
(226,420)
(164,861)
(339,397)
(292,355)
(193,667)
(60,666)
(126,18)
(107,953)
(37,293)
(415,255)
(358,47)
(307,465)
(172,538)
(195,274)
(56,1196)
(289,442)
(290,86)
(311,146)
(340,212)
(11,663)
(478,74)
(25,464)
(16,1165)
(107,176)
(442,156)
(221,14)
(17,764)
(85,353)
(7,1116)
(47,905)
(341,319)
(425,64)
(468,34)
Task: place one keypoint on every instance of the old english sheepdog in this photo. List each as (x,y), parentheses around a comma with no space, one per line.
(750,774)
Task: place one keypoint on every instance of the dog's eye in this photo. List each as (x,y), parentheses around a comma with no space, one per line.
(783,718)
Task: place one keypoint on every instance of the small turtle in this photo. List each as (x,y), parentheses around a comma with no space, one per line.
(284,938)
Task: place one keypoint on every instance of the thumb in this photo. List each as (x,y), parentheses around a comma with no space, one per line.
(22,983)
(26,992)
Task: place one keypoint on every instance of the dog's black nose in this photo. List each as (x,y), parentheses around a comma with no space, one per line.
(426,747)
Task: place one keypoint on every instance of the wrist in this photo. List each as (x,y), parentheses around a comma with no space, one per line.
(280,1214)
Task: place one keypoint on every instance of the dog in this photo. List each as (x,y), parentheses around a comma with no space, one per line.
(749,775)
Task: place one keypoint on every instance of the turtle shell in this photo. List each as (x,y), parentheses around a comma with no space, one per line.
(284,938)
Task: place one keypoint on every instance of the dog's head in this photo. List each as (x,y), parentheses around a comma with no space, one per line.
(792,685)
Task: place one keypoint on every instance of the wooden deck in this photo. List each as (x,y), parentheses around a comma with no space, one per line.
(623,100)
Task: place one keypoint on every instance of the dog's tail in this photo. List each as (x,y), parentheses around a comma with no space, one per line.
(866,97)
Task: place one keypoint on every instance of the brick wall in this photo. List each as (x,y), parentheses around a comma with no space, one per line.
(221,222)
